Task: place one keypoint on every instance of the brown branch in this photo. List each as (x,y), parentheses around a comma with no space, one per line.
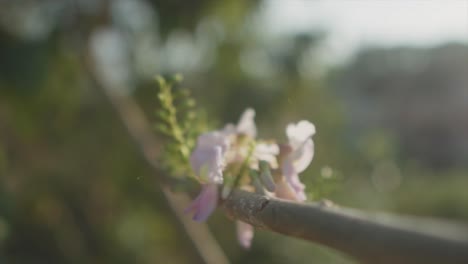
(368,238)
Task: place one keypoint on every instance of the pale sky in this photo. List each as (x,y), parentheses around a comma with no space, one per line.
(352,23)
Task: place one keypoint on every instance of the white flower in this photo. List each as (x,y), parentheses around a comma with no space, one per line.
(299,156)
(300,141)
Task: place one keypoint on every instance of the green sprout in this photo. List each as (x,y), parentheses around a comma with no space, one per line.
(179,123)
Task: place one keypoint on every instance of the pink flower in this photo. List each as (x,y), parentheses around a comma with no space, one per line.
(300,141)
(298,158)
(205,203)
(245,234)
(207,160)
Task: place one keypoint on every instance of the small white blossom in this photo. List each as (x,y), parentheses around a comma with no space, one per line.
(300,140)
(300,154)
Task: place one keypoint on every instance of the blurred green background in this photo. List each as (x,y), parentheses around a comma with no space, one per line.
(391,116)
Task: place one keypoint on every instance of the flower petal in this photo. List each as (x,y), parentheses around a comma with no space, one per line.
(284,191)
(205,203)
(266,152)
(246,123)
(303,155)
(300,132)
(298,187)
(208,164)
(245,234)
(293,181)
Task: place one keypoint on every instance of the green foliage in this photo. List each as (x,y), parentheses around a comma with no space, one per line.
(179,123)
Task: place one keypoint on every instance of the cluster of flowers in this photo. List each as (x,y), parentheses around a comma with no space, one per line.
(226,156)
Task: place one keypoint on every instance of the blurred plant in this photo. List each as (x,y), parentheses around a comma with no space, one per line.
(231,157)
(180,123)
